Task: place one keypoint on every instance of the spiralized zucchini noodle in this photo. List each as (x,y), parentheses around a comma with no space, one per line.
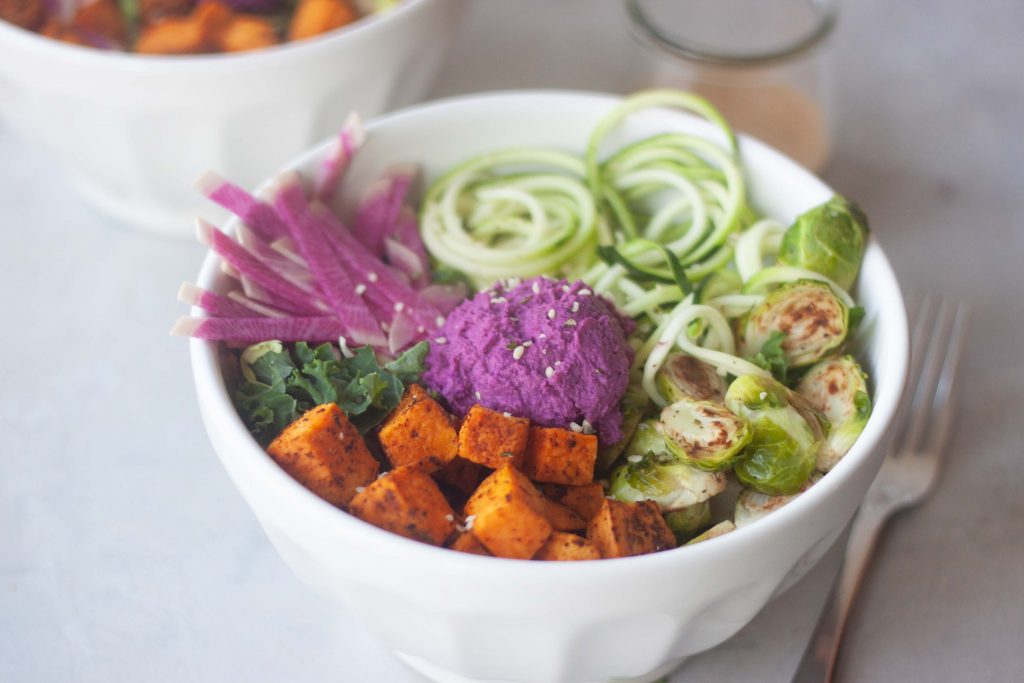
(661,225)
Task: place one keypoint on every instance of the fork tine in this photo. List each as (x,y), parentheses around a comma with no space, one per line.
(943,405)
(918,339)
(924,393)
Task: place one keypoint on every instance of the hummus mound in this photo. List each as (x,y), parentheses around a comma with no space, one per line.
(543,349)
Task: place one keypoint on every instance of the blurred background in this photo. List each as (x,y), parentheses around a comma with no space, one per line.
(126,554)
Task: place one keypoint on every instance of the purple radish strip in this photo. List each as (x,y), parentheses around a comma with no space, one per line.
(445,297)
(260,217)
(381,280)
(407,232)
(313,329)
(332,170)
(294,269)
(332,279)
(211,302)
(255,306)
(377,215)
(407,261)
(285,295)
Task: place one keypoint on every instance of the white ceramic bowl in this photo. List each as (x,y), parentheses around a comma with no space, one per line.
(457,617)
(132,133)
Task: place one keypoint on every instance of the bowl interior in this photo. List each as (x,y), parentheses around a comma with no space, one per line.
(441,134)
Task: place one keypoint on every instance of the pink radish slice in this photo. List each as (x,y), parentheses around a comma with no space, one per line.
(377,215)
(332,279)
(445,297)
(257,215)
(338,159)
(285,295)
(211,302)
(406,260)
(249,330)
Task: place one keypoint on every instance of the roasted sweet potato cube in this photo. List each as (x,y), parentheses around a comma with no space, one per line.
(102,18)
(461,475)
(27,14)
(313,17)
(584,500)
(562,518)
(562,546)
(508,514)
(560,456)
(325,453)
(492,438)
(419,433)
(172,37)
(625,529)
(407,502)
(468,543)
(245,32)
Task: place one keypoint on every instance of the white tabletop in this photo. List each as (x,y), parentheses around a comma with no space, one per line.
(126,554)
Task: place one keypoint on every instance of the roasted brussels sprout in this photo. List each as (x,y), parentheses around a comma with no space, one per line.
(752,505)
(829,239)
(837,388)
(720,529)
(633,405)
(660,477)
(683,376)
(812,320)
(688,521)
(704,434)
(782,452)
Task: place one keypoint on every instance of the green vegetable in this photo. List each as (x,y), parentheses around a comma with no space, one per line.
(688,521)
(659,476)
(683,376)
(837,387)
(829,239)
(633,405)
(752,505)
(812,320)
(771,357)
(281,384)
(782,452)
(704,434)
(720,529)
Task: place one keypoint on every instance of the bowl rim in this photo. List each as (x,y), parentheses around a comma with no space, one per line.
(210,385)
(83,56)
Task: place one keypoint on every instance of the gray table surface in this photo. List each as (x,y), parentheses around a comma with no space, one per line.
(126,554)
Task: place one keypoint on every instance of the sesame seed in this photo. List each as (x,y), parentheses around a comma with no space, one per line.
(570,323)
(439,320)
(542,336)
(518,352)
(763,395)
(549,372)
(536,288)
(575,427)
(565,288)
(635,458)
(372,277)
(498,300)
(360,489)
(477,394)
(399,306)
(441,340)
(506,413)
(513,282)
(575,306)
(450,517)
(551,314)
(587,427)
(584,292)
(360,289)
(558,362)
(527,344)
(421,329)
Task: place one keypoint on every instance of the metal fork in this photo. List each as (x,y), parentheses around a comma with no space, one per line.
(907,476)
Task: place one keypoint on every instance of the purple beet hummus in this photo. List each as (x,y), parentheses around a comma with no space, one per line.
(543,349)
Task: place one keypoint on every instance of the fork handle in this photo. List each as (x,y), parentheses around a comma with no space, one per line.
(819,659)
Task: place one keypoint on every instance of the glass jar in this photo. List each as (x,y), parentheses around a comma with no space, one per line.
(761,62)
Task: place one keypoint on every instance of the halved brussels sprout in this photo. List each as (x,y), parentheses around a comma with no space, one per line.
(829,239)
(782,452)
(704,434)
(683,376)
(720,529)
(812,319)
(838,389)
(688,521)
(752,505)
(660,477)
